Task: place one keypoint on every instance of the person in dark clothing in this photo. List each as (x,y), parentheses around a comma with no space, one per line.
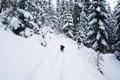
(62,47)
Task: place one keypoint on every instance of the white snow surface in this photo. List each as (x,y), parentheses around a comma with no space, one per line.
(26,59)
(111,65)
(98,9)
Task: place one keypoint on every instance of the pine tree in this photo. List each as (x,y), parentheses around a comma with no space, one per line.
(64,21)
(60,14)
(71,6)
(67,21)
(65,17)
(84,19)
(117,22)
(2,3)
(76,19)
(28,15)
(51,15)
(57,19)
(83,26)
(6,4)
(25,24)
(97,37)
(116,46)
(86,5)
(112,36)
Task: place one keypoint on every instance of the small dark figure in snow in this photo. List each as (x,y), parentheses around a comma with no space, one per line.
(62,48)
(78,42)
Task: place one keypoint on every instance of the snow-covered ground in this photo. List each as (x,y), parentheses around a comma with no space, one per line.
(27,59)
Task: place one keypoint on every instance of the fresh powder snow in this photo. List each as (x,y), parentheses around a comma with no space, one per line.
(27,59)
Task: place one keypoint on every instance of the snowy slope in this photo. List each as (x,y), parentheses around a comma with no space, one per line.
(111,67)
(26,59)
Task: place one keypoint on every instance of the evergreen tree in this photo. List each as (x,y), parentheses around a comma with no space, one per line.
(65,17)
(2,3)
(112,36)
(117,29)
(97,37)
(67,20)
(84,19)
(64,21)
(83,26)
(21,22)
(71,6)
(86,5)
(61,9)
(116,18)
(7,4)
(58,15)
(51,15)
(76,19)
(29,14)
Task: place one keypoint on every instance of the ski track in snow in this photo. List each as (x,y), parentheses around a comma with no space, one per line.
(50,67)
(34,62)
(62,65)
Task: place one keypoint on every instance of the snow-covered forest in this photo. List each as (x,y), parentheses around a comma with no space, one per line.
(59,40)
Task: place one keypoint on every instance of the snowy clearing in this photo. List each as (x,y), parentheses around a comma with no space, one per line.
(26,59)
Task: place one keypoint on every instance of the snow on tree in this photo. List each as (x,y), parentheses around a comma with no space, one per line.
(10,9)
(19,20)
(7,4)
(22,24)
(51,15)
(116,46)
(112,36)
(86,5)
(97,37)
(116,18)
(84,19)
(2,3)
(59,13)
(44,13)
(64,17)
(71,6)
(76,19)
(98,24)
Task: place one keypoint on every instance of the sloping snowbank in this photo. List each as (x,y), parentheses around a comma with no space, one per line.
(111,67)
(26,59)
(18,56)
